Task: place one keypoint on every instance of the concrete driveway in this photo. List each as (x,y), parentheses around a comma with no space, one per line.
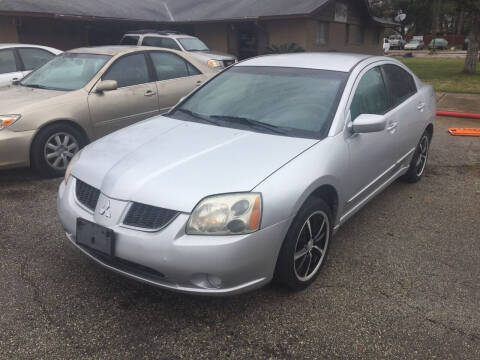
(401,282)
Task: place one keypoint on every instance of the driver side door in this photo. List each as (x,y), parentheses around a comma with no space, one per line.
(372,155)
(135,98)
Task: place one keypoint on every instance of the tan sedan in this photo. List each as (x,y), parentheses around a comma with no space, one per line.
(86,93)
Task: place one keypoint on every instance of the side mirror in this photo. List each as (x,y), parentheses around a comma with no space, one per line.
(368,123)
(106,85)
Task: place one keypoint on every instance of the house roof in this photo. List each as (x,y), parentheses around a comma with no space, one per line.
(169,11)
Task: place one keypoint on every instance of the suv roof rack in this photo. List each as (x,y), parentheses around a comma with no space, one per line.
(153,31)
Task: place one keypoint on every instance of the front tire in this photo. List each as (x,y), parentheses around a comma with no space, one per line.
(53,148)
(419,161)
(304,250)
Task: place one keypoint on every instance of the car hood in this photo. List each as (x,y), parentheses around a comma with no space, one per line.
(211,55)
(174,164)
(15,98)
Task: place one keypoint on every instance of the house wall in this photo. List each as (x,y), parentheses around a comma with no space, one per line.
(8,30)
(60,34)
(287,31)
(214,35)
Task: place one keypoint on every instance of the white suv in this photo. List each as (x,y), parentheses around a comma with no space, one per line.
(181,42)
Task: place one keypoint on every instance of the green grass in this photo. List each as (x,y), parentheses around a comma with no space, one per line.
(445,74)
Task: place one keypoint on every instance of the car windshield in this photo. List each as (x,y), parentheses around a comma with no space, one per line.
(69,71)
(193,44)
(278,100)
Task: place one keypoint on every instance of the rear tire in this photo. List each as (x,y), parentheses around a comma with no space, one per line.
(419,161)
(53,148)
(305,248)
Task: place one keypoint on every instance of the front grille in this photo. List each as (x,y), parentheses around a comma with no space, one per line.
(87,195)
(148,217)
(227,63)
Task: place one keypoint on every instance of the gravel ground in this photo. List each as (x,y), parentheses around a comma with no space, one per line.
(402,281)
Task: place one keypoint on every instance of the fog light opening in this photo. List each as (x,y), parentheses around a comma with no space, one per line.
(207,281)
(215,281)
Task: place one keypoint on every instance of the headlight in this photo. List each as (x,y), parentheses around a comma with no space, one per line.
(231,214)
(7,120)
(215,63)
(70,166)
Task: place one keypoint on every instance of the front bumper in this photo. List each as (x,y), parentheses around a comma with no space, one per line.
(15,148)
(171,259)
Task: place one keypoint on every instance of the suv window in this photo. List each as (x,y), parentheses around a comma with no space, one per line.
(34,58)
(130,40)
(129,70)
(400,83)
(370,96)
(160,42)
(7,61)
(171,66)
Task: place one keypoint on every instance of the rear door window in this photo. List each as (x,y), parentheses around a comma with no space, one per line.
(129,70)
(7,61)
(34,58)
(160,42)
(400,84)
(130,40)
(370,96)
(170,66)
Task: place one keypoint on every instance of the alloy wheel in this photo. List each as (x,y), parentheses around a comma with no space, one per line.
(422,155)
(59,150)
(311,246)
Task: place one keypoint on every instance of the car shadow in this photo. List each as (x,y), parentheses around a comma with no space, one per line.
(19,176)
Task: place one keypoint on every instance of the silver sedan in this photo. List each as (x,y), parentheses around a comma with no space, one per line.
(248,177)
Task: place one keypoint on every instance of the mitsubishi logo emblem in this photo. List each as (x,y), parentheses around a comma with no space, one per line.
(105,209)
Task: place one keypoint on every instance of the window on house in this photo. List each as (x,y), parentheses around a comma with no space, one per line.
(322,33)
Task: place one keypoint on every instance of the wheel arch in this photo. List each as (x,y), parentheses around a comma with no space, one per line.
(429,130)
(329,194)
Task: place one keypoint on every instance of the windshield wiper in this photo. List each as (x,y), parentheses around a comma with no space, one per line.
(197,116)
(252,123)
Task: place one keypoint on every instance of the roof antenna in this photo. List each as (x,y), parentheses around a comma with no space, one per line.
(168,11)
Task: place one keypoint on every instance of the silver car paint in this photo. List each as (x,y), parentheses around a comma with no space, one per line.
(200,160)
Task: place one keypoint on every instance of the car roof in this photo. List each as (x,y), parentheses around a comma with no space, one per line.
(16,45)
(158,34)
(344,62)
(116,50)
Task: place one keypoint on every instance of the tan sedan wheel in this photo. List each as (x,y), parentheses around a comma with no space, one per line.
(54,147)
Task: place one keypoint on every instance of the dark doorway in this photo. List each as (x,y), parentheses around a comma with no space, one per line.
(247,38)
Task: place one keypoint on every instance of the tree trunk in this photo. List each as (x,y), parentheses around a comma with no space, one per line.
(472,56)
(437,7)
(473,45)
(460,22)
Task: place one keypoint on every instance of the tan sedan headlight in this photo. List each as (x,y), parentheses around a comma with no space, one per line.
(70,166)
(230,214)
(215,63)
(7,120)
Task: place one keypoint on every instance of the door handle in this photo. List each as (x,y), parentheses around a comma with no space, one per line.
(392,126)
(421,106)
(199,82)
(149,93)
